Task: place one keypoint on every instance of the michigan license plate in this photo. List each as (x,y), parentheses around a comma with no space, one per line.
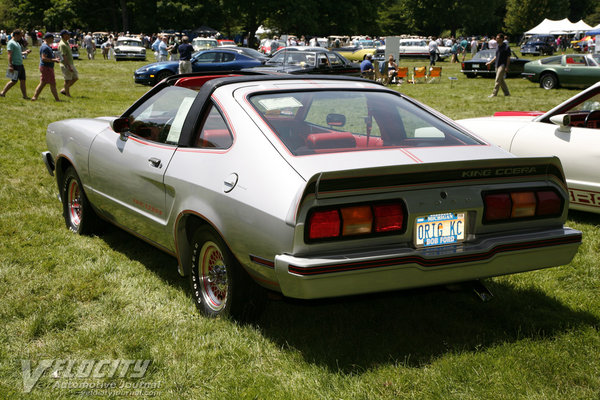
(440,229)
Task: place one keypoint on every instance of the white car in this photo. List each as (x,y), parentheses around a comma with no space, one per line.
(202,43)
(570,131)
(414,48)
(129,48)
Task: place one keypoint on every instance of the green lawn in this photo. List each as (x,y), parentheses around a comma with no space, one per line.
(113,297)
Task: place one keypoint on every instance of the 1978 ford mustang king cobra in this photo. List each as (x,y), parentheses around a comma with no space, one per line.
(311,186)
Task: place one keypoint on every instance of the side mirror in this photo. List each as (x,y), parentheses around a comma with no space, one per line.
(121,125)
(563,121)
(336,120)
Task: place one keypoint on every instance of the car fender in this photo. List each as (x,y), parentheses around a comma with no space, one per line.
(496,130)
(71,140)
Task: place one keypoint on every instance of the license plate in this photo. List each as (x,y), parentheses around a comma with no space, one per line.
(440,229)
(475,65)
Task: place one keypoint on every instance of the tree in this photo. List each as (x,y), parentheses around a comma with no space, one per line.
(522,15)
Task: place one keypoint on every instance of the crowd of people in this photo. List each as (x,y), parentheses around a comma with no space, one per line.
(17,43)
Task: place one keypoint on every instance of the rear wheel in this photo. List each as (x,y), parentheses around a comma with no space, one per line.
(548,81)
(220,286)
(77,211)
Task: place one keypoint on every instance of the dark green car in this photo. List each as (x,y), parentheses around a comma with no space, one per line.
(580,70)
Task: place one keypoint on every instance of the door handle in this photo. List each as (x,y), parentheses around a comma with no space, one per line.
(155,162)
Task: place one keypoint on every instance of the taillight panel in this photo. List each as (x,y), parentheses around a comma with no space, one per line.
(510,205)
(355,221)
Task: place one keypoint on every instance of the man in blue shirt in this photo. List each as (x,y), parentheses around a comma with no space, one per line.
(366,68)
(16,70)
(502,61)
(185,55)
(47,61)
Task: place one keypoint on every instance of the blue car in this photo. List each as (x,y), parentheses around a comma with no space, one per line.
(228,59)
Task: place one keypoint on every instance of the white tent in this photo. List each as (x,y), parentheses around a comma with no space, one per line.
(564,26)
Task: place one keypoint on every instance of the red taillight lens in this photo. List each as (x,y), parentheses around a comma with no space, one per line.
(549,203)
(515,205)
(324,224)
(524,204)
(497,206)
(357,220)
(388,217)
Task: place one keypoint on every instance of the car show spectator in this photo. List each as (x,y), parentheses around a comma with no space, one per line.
(433,51)
(492,44)
(16,70)
(392,67)
(474,45)
(163,50)
(47,61)
(185,55)
(366,68)
(89,45)
(66,63)
(502,62)
(105,47)
(464,44)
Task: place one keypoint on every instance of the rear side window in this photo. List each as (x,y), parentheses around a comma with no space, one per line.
(552,60)
(214,133)
(311,122)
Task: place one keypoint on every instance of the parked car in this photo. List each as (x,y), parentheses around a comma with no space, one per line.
(414,48)
(311,186)
(579,70)
(354,53)
(74,46)
(570,131)
(129,48)
(268,46)
(201,43)
(226,42)
(299,60)
(477,65)
(222,59)
(539,45)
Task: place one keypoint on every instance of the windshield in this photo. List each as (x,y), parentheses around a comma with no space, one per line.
(310,122)
(129,43)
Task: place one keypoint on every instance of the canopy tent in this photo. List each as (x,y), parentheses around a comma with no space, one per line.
(205,30)
(594,31)
(564,26)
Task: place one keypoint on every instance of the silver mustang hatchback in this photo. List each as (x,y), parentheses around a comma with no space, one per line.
(311,186)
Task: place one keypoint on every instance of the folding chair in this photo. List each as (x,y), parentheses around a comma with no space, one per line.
(435,73)
(401,73)
(419,73)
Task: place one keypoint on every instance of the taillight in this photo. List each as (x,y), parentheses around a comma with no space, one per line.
(355,220)
(388,217)
(324,224)
(504,206)
(548,203)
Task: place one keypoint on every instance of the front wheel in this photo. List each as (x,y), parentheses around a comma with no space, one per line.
(220,286)
(77,211)
(162,75)
(548,81)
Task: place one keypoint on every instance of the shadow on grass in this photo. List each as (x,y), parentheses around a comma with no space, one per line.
(411,327)
(414,327)
(582,217)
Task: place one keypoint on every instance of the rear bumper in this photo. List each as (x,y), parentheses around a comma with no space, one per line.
(309,278)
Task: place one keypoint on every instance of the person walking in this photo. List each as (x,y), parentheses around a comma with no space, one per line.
(47,61)
(433,51)
(16,70)
(502,61)
(66,63)
(163,50)
(185,50)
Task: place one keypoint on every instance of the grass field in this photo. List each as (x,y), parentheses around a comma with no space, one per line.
(113,297)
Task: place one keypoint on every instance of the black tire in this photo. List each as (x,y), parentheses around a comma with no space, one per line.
(220,286)
(162,75)
(79,215)
(548,81)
